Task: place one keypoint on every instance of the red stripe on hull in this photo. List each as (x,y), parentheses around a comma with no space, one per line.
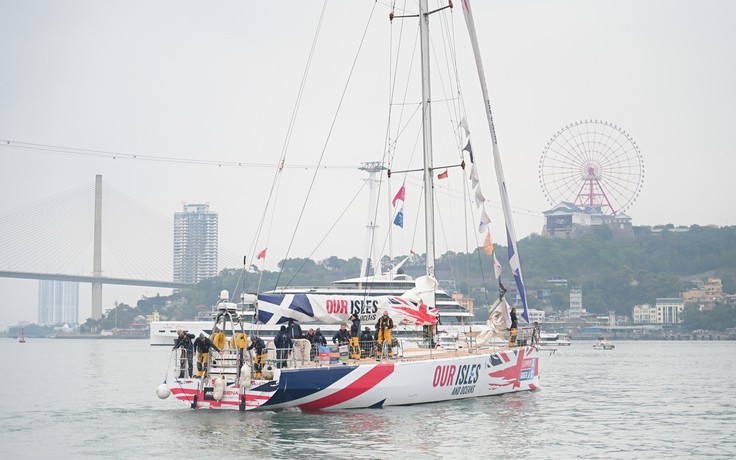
(355,389)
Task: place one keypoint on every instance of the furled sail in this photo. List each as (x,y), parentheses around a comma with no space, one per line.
(514,259)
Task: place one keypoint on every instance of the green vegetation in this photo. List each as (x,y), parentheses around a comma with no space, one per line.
(614,274)
(722,317)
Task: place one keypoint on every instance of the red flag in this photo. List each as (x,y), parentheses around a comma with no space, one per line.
(411,252)
(442,175)
(262,254)
(399,196)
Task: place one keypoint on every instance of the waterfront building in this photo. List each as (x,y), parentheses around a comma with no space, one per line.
(576,303)
(567,220)
(536,316)
(466,302)
(670,310)
(195,243)
(706,295)
(58,302)
(644,314)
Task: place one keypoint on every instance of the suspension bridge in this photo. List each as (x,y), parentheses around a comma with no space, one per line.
(61,238)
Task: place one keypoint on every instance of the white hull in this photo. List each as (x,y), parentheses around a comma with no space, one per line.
(362,384)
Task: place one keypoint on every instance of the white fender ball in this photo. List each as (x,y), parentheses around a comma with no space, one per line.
(162,391)
(267,372)
(219,389)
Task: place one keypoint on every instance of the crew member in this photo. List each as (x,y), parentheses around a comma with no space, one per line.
(294,330)
(261,354)
(384,326)
(514,328)
(341,337)
(366,342)
(283,343)
(354,337)
(184,341)
(203,345)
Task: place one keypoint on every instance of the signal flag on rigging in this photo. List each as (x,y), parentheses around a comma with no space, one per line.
(262,254)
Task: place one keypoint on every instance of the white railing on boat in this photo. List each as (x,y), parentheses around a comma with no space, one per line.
(229,361)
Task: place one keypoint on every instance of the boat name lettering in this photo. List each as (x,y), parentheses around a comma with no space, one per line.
(336,306)
(444,375)
(463,390)
(465,374)
(365,309)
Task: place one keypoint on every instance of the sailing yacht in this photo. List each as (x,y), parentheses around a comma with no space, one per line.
(341,380)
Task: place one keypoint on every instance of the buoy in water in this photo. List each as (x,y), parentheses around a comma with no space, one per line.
(162,391)
(219,389)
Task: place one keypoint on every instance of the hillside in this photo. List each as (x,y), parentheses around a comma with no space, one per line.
(613,274)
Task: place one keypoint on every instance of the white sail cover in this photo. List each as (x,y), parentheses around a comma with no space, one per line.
(499,322)
(335,309)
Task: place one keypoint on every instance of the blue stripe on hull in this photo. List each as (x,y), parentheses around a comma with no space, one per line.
(306,382)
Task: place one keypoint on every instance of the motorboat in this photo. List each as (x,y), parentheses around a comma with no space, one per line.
(603,344)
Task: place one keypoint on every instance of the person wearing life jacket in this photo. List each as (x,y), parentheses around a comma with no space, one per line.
(355,337)
(259,345)
(218,338)
(184,341)
(342,337)
(514,327)
(366,342)
(203,345)
(384,326)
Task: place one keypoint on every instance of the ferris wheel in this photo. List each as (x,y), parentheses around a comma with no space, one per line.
(592,163)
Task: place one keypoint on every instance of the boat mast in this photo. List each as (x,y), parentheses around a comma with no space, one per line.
(427,137)
(372,168)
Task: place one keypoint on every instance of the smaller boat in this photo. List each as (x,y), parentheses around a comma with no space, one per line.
(603,344)
(22,337)
(554,339)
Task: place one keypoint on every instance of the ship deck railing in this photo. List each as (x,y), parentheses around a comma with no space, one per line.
(229,361)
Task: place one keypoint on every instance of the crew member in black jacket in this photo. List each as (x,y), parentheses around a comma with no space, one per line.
(203,345)
(341,337)
(261,354)
(184,341)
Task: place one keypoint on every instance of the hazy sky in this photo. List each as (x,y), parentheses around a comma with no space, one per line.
(219,80)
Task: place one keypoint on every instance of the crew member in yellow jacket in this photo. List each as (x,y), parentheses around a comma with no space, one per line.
(384,326)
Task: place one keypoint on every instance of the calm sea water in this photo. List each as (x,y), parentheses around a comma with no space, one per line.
(96,398)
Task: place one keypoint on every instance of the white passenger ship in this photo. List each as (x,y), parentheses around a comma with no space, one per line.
(455,319)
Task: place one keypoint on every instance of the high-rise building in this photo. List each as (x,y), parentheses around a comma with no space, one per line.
(195,243)
(58,303)
(576,303)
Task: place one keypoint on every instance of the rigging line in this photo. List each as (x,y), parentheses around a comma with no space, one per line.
(329,134)
(282,160)
(33,230)
(157,253)
(32,224)
(297,271)
(406,90)
(74,151)
(123,233)
(10,214)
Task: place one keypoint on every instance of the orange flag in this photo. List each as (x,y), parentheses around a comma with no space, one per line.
(488,245)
